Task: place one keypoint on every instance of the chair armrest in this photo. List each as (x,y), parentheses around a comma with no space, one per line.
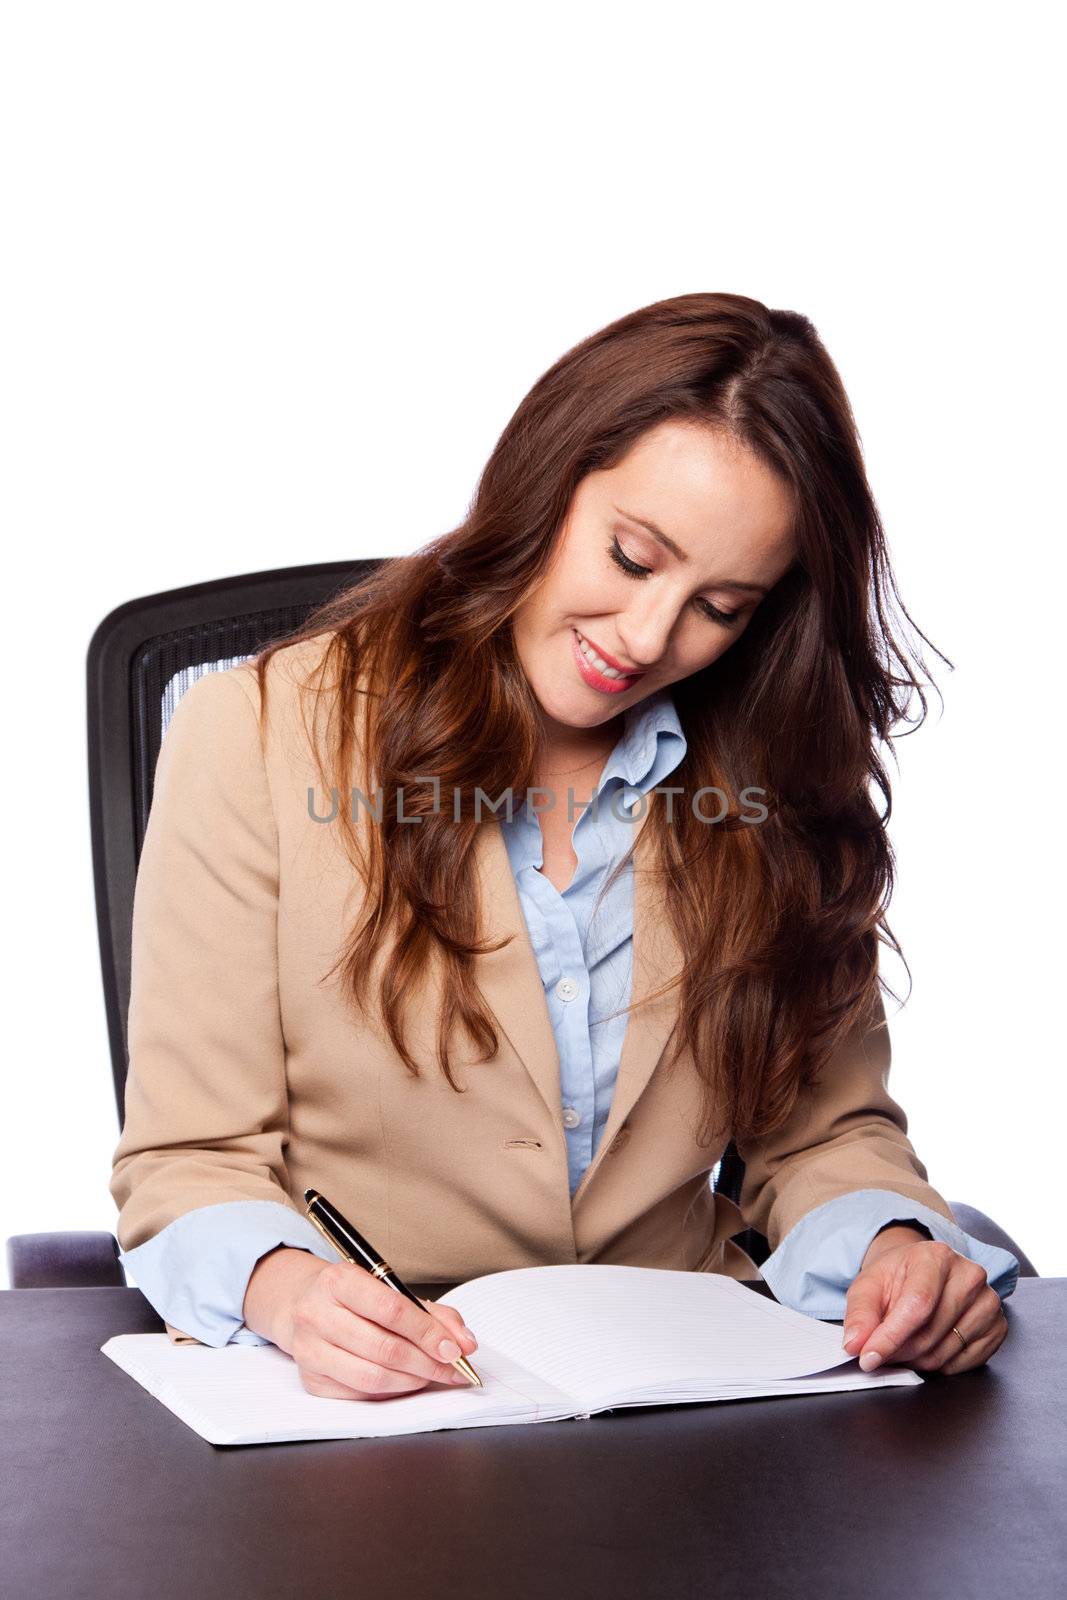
(64,1261)
(982,1227)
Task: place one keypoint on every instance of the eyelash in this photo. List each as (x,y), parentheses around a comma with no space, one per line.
(728,619)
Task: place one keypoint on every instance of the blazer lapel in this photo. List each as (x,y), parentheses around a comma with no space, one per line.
(657,959)
(511,981)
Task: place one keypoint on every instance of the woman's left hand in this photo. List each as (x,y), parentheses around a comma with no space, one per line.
(909,1295)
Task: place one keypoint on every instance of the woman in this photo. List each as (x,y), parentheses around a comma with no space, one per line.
(498,1038)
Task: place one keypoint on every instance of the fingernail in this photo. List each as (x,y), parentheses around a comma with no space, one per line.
(849,1335)
(869,1360)
(448,1350)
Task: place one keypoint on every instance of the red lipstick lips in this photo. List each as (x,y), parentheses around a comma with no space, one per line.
(595,679)
(627,672)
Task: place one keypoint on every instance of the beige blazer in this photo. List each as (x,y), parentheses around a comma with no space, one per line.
(250,1079)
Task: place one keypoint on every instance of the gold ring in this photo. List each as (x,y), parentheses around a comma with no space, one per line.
(960,1337)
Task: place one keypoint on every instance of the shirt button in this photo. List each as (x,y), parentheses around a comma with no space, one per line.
(567,988)
(571,1118)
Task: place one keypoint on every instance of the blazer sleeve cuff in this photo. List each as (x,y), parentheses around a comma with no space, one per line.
(815,1264)
(194,1272)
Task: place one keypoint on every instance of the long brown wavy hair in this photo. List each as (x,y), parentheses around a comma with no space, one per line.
(787,964)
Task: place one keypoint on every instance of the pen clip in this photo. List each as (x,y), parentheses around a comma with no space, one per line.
(330,1240)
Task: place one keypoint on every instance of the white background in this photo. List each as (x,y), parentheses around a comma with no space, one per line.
(275,277)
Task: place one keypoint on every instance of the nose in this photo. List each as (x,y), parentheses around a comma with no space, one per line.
(644,633)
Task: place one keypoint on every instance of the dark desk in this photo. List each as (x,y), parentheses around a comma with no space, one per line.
(952,1490)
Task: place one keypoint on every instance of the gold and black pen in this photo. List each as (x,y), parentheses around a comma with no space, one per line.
(338,1231)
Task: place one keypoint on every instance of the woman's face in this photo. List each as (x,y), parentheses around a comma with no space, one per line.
(661,607)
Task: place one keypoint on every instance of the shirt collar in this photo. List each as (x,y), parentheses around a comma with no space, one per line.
(651,744)
(650,747)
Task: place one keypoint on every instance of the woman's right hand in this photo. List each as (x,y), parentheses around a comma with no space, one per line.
(354,1338)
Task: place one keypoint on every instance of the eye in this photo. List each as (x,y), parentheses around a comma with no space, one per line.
(728,619)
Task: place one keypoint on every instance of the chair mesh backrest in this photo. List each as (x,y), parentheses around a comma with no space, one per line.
(165,667)
(185,677)
(142,659)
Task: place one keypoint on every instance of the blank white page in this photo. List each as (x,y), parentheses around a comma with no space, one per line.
(597,1331)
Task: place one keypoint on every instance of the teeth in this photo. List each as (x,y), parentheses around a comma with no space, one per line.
(601,666)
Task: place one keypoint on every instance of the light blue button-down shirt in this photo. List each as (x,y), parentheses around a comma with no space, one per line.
(196,1270)
(586,960)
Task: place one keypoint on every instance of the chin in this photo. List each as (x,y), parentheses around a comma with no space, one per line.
(566,715)
(556,707)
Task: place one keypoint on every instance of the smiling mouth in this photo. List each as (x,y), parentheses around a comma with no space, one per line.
(607,669)
(603,680)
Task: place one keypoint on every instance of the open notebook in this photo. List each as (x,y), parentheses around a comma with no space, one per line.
(553,1342)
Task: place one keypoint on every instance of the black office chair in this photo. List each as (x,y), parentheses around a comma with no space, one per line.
(142,658)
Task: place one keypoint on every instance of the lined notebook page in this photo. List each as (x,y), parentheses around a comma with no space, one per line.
(605,1331)
(552,1342)
(253,1394)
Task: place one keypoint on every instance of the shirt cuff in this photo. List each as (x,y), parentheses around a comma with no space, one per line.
(816,1263)
(195,1271)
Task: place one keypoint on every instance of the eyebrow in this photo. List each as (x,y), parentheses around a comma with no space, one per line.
(679,553)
